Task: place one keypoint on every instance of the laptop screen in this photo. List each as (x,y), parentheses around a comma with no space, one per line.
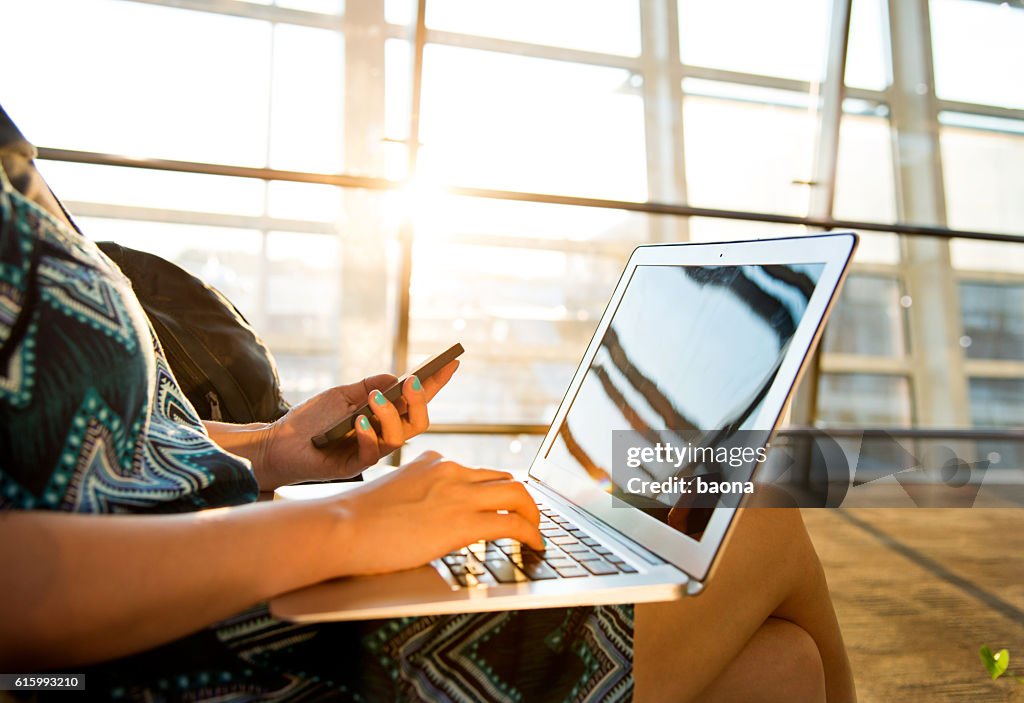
(690,351)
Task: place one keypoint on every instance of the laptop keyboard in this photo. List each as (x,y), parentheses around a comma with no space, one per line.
(569,553)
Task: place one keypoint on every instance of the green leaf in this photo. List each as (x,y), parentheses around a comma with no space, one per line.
(995,663)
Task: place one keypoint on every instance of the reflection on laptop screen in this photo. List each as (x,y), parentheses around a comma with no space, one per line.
(692,349)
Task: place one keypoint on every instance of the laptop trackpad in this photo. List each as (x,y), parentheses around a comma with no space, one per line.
(366,597)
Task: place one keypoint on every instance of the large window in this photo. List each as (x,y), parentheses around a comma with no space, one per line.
(269,130)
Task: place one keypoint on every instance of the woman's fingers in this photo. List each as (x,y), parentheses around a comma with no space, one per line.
(436,382)
(492,526)
(415,397)
(481,475)
(366,439)
(392,433)
(506,495)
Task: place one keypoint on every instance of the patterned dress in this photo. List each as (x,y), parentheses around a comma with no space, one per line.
(92,420)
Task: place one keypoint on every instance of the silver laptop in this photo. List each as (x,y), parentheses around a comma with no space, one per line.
(706,337)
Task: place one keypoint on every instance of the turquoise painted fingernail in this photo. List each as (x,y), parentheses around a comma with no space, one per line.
(364,423)
(416,385)
(379,398)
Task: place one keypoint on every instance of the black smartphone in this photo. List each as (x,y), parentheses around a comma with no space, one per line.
(347,427)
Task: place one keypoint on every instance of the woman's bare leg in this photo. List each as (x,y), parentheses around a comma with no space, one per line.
(780,664)
(686,648)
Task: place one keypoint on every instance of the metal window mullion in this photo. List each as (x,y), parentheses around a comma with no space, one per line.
(1006,113)
(655,208)
(826,152)
(263,291)
(939,380)
(196,218)
(663,114)
(251,11)
(804,408)
(530,50)
(407,228)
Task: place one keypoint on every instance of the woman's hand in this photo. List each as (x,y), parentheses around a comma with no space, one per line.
(425,509)
(282,453)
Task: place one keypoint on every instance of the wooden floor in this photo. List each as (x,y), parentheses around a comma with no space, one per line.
(918,591)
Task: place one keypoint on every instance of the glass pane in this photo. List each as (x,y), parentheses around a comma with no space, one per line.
(610,26)
(864,400)
(78,184)
(164,190)
(784,38)
(714,229)
(304,201)
(522,287)
(306,118)
(304,375)
(865,187)
(326,7)
(867,318)
(523,327)
(503,121)
(541,225)
(877,248)
(999,402)
(175,83)
(866,65)
(398,69)
(512,453)
(303,296)
(400,11)
(975,255)
(746,154)
(324,303)
(983,171)
(977,51)
(993,319)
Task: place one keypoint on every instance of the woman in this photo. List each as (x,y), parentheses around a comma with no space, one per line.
(168,606)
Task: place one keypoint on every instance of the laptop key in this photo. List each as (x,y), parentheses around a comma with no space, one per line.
(506,542)
(539,571)
(563,540)
(626,568)
(602,550)
(571,571)
(484,579)
(552,531)
(576,548)
(600,568)
(454,559)
(615,559)
(590,542)
(475,568)
(504,571)
(559,562)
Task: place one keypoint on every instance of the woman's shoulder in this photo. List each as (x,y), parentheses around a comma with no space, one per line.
(91,418)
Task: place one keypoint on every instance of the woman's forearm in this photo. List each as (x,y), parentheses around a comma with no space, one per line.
(83,588)
(247,441)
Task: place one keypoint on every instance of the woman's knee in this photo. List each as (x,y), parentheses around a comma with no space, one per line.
(799,662)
